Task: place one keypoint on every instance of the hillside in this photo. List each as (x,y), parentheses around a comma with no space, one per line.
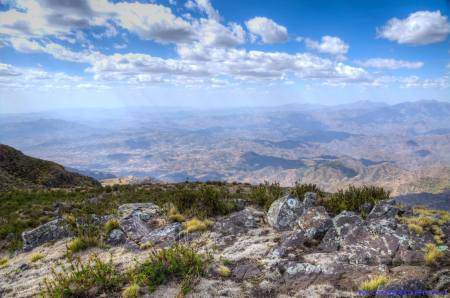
(18,170)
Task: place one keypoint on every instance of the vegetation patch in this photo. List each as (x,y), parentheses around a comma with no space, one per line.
(81,243)
(427,219)
(300,189)
(132,291)
(266,193)
(92,279)
(432,254)
(111,225)
(223,271)
(196,225)
(175,215)
(353,198)
(178,262)
(36,257)
(371,285)
(4,262)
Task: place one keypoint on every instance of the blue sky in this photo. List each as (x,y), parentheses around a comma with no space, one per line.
(99,53)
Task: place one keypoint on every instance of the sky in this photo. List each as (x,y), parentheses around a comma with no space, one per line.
(220,53)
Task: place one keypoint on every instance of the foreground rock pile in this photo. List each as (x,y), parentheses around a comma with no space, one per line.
(296,249)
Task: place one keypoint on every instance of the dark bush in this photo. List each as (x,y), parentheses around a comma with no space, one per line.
(266,193)
(353,198)
(300,189)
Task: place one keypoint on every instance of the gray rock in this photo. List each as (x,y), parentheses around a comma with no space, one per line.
(366,208)
(310,199)
(116,237)
(163,236)
(51,231)
(314,222)
(289,243)
(245,271)
(403,289)
(94,219)
(384,210)
(343,223)
(139,219)
(284,212)
(239,222)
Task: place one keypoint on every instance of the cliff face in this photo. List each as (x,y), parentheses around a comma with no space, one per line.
(296,249)
(18,170)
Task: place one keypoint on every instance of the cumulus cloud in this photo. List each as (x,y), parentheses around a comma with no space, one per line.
(267,30)
(329,44)
(419,28)
(56,50)
(390,63)
(204,6)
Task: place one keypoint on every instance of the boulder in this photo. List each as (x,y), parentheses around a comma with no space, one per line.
(384,210)
(314,222)
(239,222)
(137,220)
(116,237)
(343,224)
(284,212)
(310,199)
(163,236)
(51,231)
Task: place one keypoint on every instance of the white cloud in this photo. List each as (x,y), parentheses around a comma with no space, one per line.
(56,50)
(328,44)
(267,30)
(419,28)
(206,7)
(390,63)
(213,34)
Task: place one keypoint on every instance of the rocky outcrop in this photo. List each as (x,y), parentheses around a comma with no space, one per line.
(51,231)
(284,212)
(314,222)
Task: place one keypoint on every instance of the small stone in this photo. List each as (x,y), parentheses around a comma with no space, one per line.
(116,237)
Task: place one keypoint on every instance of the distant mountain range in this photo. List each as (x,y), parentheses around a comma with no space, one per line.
(404,147)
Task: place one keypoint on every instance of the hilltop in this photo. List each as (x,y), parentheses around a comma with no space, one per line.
(18,170)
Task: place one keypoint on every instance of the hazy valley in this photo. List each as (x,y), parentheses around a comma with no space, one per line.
(403,147)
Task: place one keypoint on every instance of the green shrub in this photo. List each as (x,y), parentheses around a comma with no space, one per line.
(300,189)
(353,198)
(266,193)
(373,284)
(205,201)
(432,254)
(177,262)
(91,279)
(110,225)
(131,291)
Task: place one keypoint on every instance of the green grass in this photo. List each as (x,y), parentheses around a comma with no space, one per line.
(432,254)
(265,194)
(81,243)
(26,209)
(179,262)
(132,291)
(373,284)
(90,279)
(4,262)
(352,198)
(196,225)
(110,225)
(36,257)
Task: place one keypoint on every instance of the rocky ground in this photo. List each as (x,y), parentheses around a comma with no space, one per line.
(296,249)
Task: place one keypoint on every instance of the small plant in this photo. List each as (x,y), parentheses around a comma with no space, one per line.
(131,291)
(353,198)
(4,262)
(177,262)
(36,257)
(224,271)
(81,243)
(175,216)
(371,285)
(415,228)
(432,253)
(146,245)
(196,225)
(110,225)
(84,280)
